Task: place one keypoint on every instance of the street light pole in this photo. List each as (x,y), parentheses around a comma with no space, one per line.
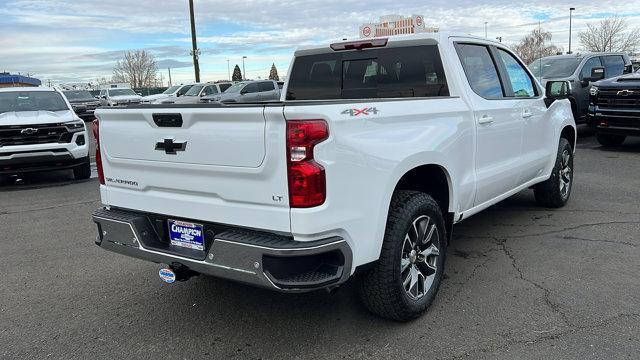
(485,29)
(195,52)
(244,73)
(570,18)
(228,70)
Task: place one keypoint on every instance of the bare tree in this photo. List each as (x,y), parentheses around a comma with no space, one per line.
(138,68)
(536,45)
(611,34)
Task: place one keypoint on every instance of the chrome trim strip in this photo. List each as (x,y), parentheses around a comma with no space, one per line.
(281,249)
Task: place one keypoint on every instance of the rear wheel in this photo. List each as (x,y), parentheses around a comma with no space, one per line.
(556,190)
(406,278)
(609,140)
(83,171)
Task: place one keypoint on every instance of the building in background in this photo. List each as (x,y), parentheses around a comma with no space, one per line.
(390,25)
(10,80)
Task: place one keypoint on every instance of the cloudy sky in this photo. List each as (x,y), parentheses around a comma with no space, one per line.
(79,40)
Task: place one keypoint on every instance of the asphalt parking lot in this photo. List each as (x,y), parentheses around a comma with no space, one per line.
(522,282)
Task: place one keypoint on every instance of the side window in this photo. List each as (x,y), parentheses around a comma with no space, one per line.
(102,93)
(183,90)
(613,65)
(480,70)
(521,83)
(266,86)
(588,66)
(208,90)
(251,88)
(224,86)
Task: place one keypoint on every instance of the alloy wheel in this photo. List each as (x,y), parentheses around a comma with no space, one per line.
(565,173)
(420,252)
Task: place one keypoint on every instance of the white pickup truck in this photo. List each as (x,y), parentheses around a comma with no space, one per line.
(374,151)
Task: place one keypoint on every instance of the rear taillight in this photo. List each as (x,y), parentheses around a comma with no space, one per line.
(307,182)
(95,128)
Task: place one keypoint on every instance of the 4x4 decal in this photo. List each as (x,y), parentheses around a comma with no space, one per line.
(363,111)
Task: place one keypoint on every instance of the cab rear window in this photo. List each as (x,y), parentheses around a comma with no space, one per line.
(402,72)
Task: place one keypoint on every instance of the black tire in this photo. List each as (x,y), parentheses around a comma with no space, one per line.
(82,172)
(609,140)
(381,287)
(551,193)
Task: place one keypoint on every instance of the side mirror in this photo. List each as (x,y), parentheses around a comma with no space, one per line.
(103,97)
(139,94)
(243,91)
(557,90)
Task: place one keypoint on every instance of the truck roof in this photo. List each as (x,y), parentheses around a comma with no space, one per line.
(26,88)
(438,37)
(582,55)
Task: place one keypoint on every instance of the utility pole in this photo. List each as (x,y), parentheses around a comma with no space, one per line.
(169,77)
(570,18)
(244,74)
(485,29)
(228,70)
(195,52)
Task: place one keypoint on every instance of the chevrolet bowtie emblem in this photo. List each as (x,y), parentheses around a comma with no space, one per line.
(28,131)
(170,147)
(625,92)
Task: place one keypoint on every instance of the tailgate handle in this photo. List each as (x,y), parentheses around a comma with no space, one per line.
(168,120)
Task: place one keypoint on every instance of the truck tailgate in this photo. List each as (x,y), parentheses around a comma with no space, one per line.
(222,164)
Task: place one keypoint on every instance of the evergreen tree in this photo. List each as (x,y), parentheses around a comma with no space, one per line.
(237,74)
(273,74)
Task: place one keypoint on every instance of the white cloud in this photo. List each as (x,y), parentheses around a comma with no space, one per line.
(82,39)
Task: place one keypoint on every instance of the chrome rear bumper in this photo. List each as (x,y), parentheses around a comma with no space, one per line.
(262,259)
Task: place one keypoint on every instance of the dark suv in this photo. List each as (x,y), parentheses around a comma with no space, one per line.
(614,108)
(578,70)
(83,103)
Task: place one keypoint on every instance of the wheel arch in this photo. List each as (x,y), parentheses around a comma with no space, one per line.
(569,132)
(432,179)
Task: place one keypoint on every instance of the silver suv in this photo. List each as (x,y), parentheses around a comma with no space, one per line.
(247,91)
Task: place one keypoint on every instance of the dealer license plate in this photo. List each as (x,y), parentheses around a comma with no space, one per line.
(186,234)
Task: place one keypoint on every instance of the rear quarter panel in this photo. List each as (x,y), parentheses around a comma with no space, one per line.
(366,155)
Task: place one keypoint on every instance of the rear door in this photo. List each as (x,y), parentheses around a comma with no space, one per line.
(498,120)
(209,163)
(267,91)
(520,89)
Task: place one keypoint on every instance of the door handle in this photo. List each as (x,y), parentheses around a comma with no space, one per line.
(526,113)
(485,119)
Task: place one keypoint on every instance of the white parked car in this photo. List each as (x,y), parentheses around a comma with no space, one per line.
(39,131)
(197,92)
(376,149)
(174,91)
(118,97)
